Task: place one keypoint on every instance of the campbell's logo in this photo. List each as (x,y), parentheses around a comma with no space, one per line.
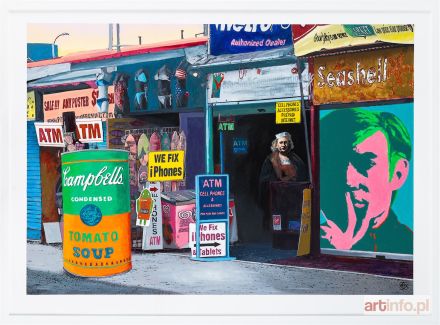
(103,178)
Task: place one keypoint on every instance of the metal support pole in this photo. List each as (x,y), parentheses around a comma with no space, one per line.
(303,110)
(209,144)
(118,40)
(110,37)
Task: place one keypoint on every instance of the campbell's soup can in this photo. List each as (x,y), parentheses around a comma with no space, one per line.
(96,205)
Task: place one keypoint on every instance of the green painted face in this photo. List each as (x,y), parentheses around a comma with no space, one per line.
(145,194)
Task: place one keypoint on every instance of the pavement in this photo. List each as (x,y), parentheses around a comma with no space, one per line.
(175,273)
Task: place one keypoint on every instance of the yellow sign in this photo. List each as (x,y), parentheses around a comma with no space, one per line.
(288,112)
(367,76)
(331,37)
(305,231)
(31,106)
(166,165)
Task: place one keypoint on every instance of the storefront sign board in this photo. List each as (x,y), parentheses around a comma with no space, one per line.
(152,238)
(364,76)
(288,112)
(243,38)
(90,130)
(212,239)
(265,83)
(166,165)
(212,218)
(50,134)
(240,145)
(314,38)
(82,102)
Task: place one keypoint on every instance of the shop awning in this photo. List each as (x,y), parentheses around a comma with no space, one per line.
(47,70)
(66,77)
(229,62)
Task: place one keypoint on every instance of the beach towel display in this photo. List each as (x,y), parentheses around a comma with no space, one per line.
(163,76)
(182,95)
(141,88)
(103,81)
(122,103)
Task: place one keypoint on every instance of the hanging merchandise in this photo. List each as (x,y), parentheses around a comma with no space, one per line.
(163,77)
(182,95)
(165,144)
(174,143)
(130,145)
(144,205)
(103,81)
(143,148)
(181,145)
(141,86)
(122,103)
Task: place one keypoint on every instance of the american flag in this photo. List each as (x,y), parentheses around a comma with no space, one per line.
(180,73)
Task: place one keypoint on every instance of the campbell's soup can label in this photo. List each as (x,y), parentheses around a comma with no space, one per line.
(96,205)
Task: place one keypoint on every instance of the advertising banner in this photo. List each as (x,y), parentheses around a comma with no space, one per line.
(314,38)
(90,130)
(243,38)
(288,112)
(275,82)
(82,102)
(364,76)
(366,181)
(31,106)
(166,165)
(152,238)
(50,134)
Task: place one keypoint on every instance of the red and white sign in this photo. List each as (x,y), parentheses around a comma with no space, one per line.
(50,134)
(83,102)
(212,239)
(89,130)
(152,236)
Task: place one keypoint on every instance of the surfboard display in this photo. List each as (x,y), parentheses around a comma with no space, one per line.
(174,143)
(131,147)
(181,145)
(165,145)
(142,154)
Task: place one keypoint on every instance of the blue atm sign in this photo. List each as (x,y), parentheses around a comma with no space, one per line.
(213,197)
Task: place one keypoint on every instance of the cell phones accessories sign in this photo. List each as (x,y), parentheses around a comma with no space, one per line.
(242,38)
(212,219)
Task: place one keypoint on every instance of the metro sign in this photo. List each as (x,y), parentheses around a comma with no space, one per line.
(50,134)
(89,130)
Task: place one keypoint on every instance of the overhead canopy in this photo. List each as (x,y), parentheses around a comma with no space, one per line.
(319,39)
(259,59)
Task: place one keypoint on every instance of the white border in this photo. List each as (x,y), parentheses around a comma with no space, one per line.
(17,307)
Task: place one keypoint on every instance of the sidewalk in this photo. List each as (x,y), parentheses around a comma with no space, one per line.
(175,273)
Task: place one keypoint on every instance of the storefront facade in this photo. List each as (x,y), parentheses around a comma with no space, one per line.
(364,101)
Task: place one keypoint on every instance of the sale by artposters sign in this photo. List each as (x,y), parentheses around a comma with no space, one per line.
(152,237)
(83,102)
(50,134)
(316,38)
(364,76)
(288,112)
(275,82)
(243,38)
(166,165)
(212,218)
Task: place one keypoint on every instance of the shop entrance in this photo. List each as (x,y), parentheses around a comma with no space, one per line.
(245,149)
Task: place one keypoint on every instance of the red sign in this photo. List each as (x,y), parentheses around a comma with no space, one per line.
(89,130)
(50,134)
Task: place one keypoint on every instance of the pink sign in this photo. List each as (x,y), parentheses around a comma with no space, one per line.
(82,102)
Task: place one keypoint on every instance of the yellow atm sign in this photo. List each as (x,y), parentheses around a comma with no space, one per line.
(288,112)
(166,165)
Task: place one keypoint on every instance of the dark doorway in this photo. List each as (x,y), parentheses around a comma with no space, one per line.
(245,149)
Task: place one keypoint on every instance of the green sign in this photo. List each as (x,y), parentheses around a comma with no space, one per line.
(226,126)
(359,30)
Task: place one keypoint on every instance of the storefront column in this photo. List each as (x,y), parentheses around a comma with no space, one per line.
(209,135)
